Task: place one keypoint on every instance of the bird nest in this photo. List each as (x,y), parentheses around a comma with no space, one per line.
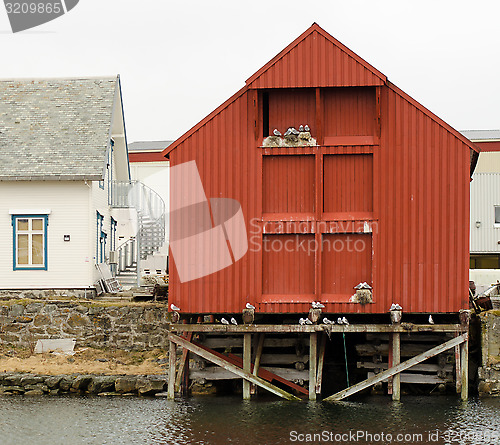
(302,139)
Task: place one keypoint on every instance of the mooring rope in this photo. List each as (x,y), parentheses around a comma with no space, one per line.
(345,356)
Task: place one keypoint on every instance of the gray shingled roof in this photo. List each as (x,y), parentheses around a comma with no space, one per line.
(140,146)
(55,128)
(481,135)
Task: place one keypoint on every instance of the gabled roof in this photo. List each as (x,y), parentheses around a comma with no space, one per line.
(55,128)
(316,59)
(142,146)
(482,135)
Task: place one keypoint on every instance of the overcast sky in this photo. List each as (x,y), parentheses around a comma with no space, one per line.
(180,60)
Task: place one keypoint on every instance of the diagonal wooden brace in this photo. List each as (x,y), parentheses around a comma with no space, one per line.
(397,369)
(230,367)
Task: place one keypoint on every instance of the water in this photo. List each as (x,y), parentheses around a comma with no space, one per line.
(228,420)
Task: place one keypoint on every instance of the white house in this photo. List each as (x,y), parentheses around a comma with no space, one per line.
(64,181)
(485,210)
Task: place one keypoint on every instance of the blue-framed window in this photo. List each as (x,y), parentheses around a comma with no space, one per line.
(30,242)
(114,224)
(100,255)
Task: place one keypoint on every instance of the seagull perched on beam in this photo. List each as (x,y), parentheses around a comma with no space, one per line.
(250,306)
(317,305)
(288,132)
(302,321)
(224,321)
(294,131)
(308,321)
(233,321)
(326,321)
(276,132)
(301,128)
(174,307)
(306,128)
(431,320)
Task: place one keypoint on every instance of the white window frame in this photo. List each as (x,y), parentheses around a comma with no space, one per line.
(30,232)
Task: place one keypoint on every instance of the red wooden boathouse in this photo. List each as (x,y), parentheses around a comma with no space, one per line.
(378,194)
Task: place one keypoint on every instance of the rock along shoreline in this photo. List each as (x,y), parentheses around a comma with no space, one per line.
(16,383)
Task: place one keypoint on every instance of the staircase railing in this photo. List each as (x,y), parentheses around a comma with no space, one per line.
(150,209)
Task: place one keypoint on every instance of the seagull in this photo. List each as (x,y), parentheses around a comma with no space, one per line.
(233,320)
(249,306)
(302,321)
(363,285)
(276,132)
(317,305)
(308,321)
(398,307)
(395,307)
(339,321)
(288,132)
(326,321)
(301,128)
(174,307)
(344,321)
(224,321)
(294,131)
(431,321)
(306,128)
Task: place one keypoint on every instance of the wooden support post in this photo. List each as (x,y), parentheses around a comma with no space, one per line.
(247,363)
(396,360)
(258,354)
(183,365)
(313,364)
(464,353)
(321,361)
(172,352)
(397,369)
(458,369)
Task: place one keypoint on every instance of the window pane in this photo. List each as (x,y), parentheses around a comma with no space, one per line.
(497,214)
(37,224)
(22,250)
(37,243)
(22,224)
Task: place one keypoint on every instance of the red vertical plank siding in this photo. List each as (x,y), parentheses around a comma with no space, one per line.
(411,185)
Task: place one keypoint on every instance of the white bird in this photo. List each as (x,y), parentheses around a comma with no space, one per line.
(302,321)
(308,321)
(249,306)
(326,321)
(317,305)
(174,307)
(294,131)
(306,128)
(233,320)
(276,132)
(301,128)
(344,321)
(224,321)
(339,321)
(393,307)
(431,321)
(363,285)
(398,307)
(288,132)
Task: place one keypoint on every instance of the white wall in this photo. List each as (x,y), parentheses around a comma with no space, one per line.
(70,264)
(484,195)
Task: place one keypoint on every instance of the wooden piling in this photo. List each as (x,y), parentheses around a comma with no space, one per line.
(464,365)
(396,360)
(172,352)
(313,364)
(247,363)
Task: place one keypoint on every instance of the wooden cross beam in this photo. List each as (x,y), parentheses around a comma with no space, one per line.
(397,369)
(230,367)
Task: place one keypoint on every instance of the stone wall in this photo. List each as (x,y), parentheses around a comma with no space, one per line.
(489,371)
(42,294)
(98,325)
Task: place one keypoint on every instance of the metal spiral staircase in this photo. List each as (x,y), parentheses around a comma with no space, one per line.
(150,235)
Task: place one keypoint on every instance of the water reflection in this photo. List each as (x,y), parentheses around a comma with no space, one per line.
(222,420)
